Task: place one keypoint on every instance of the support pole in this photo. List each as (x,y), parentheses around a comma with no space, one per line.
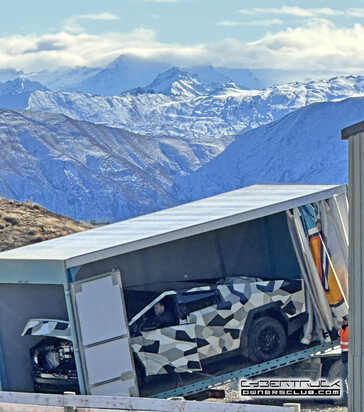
(355,136)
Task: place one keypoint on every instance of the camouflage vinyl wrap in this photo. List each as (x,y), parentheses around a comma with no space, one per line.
(48,327)
(214,329)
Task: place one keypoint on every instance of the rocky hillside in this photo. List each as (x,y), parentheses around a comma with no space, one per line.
(304,147)
(23,223)
(90,171)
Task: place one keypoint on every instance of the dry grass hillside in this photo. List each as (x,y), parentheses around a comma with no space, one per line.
(23,223)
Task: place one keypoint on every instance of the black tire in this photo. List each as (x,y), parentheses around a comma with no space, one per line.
(267,339)
(334,372)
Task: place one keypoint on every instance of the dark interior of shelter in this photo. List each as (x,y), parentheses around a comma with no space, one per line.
(257,248)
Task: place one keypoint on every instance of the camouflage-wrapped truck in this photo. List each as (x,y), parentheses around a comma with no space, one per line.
(242,315)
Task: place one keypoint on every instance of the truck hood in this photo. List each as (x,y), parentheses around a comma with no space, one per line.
(48,327)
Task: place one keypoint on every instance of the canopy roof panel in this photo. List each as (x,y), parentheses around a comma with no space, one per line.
(175,223)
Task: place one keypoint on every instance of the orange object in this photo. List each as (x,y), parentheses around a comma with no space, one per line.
(344,339)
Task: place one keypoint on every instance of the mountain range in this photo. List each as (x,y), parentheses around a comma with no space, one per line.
(91,171)
(176,135)
(127,72)
(304,147)
(179,104)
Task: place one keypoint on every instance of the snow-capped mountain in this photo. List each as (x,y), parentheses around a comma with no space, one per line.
(245,78)
(304,147)
(124,73)
(90,171)
(224,112)
(168,141)
(175,82)
(129,72)
(213,79)
(15,93)
(207,74)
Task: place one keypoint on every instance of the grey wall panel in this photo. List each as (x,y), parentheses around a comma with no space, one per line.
(185,259)
(356,284)
(19,303)
(261,247)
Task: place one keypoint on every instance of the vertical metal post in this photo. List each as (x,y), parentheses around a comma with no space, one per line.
(71,408)
(3,380)
(78,361)
(355,136)
(296,407)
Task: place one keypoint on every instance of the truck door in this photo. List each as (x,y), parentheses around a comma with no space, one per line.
(173,346)
(103,336)
(161,346)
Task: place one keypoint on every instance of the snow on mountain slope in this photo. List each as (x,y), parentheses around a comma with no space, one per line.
(90,171)
(210,76)
(15,93)
(124,73)
(175,82)
(62,79)
(244,78)
(129,72)
(303,147)
(223,112)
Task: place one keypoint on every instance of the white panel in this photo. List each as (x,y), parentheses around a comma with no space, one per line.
(105,343)
(100,310)
(108,360)
(116,388)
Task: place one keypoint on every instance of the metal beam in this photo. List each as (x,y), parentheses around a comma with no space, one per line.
(250,371)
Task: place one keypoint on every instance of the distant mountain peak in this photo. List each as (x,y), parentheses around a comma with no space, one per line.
(15,93)
(210,77)
(21,85)
(178,83)
(124,60)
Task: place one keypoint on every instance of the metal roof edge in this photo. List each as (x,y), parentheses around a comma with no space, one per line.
(352,130)
(205,227)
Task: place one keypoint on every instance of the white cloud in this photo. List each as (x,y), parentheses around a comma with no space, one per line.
(294,11)
(264,23)
(72,49)
(72,25)
(101,16)
(318,46)
(355,12)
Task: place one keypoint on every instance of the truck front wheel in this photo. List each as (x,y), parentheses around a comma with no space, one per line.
(267,339)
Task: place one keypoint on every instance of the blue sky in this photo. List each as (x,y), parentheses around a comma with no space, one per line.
(305,35)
